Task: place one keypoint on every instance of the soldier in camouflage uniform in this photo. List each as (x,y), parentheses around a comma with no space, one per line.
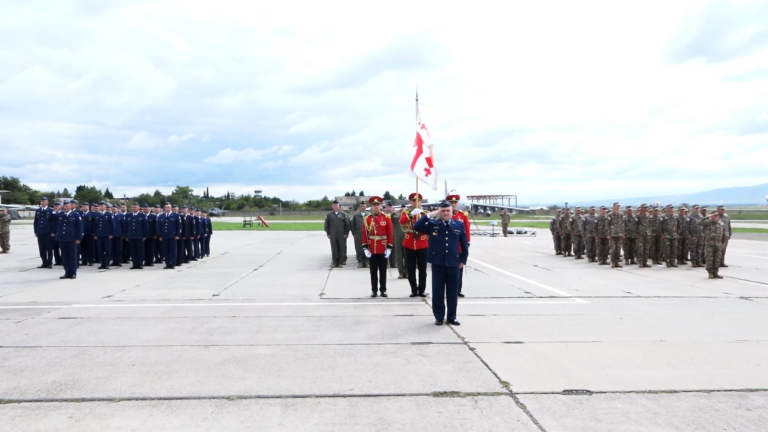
(603,233)
(554,228)
(715,232)
(726,221)
(565,233)
(576,230)
(682,235)
(630,236)
(694,236)
(643,236)
(589,234)
(5,231)
(616,238)
(656,249)
(670,226)
(704,215)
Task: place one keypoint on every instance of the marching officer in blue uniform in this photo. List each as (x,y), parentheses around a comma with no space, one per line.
(56,249)
(149,245)
(208,234)
(85,248)
(447,261)
(136,229)
(104,230)
(169,232)
(117,238)
(158,245)
(43,233)
(69,233)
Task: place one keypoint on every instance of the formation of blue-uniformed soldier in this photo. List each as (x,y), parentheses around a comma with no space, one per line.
(700,238)
(110,236)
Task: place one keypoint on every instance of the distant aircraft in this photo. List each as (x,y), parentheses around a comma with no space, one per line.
(216,212)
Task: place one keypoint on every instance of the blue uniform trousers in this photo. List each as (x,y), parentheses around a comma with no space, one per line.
(179,252)
(117,250)
(445,289)
(188,250)
(137,252)
(169,252)
(85,249)
(149,251)
(105,250)
(45,247)
(69,257)
(56,252)
(207,247)
(196,244)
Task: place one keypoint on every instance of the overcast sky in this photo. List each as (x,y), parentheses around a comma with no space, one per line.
(549,101)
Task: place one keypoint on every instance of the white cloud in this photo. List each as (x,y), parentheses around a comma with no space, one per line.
(175,139)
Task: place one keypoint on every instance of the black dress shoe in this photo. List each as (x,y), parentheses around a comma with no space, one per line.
(461,295)
(102,267)
(412,295)
(43,266)
(49,266)
(422,295)
(133,268)
(384,294)
(150,265)
(373,295)
(193,259)
(454,322)
(439,322)
(73,277)
(64,277)
(90,264)
(57,264)
(166,268)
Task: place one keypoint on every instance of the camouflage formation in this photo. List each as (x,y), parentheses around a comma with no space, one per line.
(589,232)
(630,238)
(643,228)
(603,231)
(670,226)
(554,228)
(656,249)
(715,232)
(576,226)
(616,224)
(695,234)
(565,234)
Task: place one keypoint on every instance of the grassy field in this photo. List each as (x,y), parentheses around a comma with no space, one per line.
(541,225)
(310,226)
(751,230)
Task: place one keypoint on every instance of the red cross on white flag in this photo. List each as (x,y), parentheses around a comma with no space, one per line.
(423,163)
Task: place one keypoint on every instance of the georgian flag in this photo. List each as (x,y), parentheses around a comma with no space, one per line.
(423,163)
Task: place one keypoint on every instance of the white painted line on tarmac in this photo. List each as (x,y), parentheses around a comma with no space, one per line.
(532,282)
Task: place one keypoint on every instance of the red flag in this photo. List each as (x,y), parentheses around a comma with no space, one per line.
(423,163)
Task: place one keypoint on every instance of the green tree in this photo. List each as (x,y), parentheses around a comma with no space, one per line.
(65,193)
(88,193)
(108,194)
(401,197)
(387,196)
(362,193)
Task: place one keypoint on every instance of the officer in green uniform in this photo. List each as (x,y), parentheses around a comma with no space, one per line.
(715,232)
(337,225)
(398,253)
(357,234)
(5,231)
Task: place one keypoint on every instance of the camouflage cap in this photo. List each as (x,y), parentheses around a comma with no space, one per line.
(591,207)
(714,213)
(643,205)
(682,208)
(615,204)
(669,206)
(602,208)
(629,207)
(695,206)
(720,207)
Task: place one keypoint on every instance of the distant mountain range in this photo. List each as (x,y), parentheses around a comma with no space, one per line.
(747,196)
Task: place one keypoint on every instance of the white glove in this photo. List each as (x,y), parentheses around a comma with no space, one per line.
(416,212)
(367,253)
(387,253)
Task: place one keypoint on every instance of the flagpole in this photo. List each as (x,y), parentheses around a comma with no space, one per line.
(418,117)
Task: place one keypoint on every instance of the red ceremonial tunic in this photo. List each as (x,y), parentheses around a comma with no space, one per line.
(461,216)
(377,233)
(414,240)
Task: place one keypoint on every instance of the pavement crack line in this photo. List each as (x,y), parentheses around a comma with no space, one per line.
(632,392)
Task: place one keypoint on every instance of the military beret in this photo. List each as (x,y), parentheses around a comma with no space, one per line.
(453,198)
(414,195)
(444,204)
(43,198)
(85,203)
(388,203)
(335,201)
(375,200)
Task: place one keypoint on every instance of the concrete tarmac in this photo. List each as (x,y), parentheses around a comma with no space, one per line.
(264,335)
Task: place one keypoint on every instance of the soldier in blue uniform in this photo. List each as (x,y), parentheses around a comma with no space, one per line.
(196,236)
(168,232)
(85,248)
(94,213)
(180,244)
(126,256)
(446,260)
(69,233)
(43,233)
(201,234)
(136,230)
(56,249)
(117,238)
(149,245)
(189,233)
(104,230)
(208,234)
(158,245)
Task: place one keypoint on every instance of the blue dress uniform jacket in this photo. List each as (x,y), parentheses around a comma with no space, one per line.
(69,228)
(151,225)
(104,224)
(87,217)
(43,229)
(444,241)
(136,226)
(119,225)
(168,227)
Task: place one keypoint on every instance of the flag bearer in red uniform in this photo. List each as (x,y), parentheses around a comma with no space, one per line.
(377,244)
(416,245)
(462,217)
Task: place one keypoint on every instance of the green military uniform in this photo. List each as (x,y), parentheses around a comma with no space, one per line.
(670,226)
(565,233)
(504,222)
(576,227)
(554,228)
(644,235)
(357,234)
(656,244)
(630,237)
(682,242)
(337,227)
(715,232)
(5,232)
(695,233)
(589,232)
(603,231)
(727,232)
(398,253)
(616,227)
